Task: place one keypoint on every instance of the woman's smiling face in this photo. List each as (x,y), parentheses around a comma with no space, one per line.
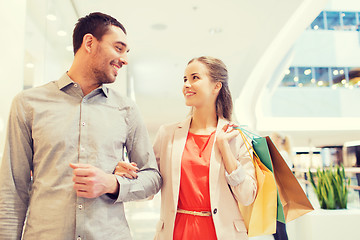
(198,89)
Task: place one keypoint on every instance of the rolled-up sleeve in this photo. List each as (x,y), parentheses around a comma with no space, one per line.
(243,180)
(237,176)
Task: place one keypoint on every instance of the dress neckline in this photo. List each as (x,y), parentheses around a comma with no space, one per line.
(202,135)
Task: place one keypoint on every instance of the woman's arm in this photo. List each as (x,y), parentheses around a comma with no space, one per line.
(240,171)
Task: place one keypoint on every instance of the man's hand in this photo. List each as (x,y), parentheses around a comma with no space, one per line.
(92,182)
(125,169)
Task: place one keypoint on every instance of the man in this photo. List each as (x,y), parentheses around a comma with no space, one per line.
(71,134)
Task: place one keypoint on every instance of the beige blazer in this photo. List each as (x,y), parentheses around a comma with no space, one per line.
(168,147)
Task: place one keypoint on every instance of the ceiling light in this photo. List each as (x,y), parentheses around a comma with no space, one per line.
(30,65)
(341,71)
(296,79)
(159,26)
(307,71)
(313,80)
(316,27)
(300,84)
(343,81)
(320,83)
(51,17)
(213,31)
(61,33)
(335,72)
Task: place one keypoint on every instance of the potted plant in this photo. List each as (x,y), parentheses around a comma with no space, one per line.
(331,187)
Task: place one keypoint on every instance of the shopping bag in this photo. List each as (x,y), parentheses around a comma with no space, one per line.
(261,148)
(292,196)
(260,216)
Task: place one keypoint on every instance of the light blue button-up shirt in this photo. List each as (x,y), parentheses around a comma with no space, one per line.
(54,125)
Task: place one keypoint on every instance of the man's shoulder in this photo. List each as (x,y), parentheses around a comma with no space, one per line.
(35,91)
(119,99)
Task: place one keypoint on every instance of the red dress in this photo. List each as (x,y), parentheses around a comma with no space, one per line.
(194,192)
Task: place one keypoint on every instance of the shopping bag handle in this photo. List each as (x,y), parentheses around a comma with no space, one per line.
(247,132)
(247,144)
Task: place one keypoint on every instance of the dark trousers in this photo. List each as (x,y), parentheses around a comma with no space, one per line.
(280,231)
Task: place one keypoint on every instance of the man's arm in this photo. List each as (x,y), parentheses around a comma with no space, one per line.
(15,170)
(140,151)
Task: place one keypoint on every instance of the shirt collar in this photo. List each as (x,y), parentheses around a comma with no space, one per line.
(65,81)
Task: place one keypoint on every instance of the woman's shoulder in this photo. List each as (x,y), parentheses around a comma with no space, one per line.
(175,125)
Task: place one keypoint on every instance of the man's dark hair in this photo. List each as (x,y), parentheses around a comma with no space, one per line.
(95,23)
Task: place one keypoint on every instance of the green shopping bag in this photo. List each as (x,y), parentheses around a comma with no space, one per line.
(262,150)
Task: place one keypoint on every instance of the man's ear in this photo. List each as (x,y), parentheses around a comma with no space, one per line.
(88,41)
(218,87)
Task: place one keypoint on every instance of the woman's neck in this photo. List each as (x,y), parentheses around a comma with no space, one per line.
(203,121)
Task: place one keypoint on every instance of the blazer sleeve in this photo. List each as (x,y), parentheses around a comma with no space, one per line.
(242,181)
(157,145)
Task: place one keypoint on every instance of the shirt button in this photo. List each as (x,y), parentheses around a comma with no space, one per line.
(80,206)
(78,238)
(75,85)
(215,211)
(83,123)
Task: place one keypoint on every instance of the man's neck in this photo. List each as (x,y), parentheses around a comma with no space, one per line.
(83,79)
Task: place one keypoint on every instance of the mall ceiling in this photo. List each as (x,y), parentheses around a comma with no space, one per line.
(164,35)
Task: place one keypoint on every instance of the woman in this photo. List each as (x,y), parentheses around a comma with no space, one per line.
(204,163)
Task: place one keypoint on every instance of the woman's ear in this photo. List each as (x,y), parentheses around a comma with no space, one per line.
(218,87)
(88,41)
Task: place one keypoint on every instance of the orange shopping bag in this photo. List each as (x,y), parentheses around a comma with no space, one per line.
(260,216)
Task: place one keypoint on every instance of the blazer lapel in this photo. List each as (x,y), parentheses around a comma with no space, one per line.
(178,146)
(216,163)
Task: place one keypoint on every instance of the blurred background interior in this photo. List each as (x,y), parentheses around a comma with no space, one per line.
(294,68)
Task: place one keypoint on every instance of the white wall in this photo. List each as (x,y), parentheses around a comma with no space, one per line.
(12,56)
(327,48)
(315,102)
(248,105)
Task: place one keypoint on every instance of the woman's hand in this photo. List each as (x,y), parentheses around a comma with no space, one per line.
(125,169)
(227,133)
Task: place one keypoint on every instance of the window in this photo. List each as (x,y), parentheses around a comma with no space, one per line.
(305,77)
(333,20)
(321,77)
(349,21)
(290,79)
(318,23)
(354,77)
(339,77)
